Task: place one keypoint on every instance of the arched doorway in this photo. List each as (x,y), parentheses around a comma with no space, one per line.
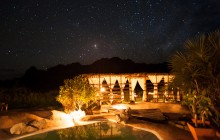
(138,93)
(116,93)
(126,92)
(161,91)
(150,90)
(105,91)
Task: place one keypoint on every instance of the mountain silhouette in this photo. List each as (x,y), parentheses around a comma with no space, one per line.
(53,77)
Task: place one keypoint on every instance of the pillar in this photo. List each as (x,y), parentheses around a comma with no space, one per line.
(166,95)
(100,94)
(155,91)
(121,89)
(131,89)
(110,88)
(172,93)
(145,90)
(178,95)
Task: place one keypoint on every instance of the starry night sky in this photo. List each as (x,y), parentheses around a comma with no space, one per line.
(44,33)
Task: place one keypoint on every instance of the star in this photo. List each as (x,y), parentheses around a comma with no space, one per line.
(43,34)
(95,46)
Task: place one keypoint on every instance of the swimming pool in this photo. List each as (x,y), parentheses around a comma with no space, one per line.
(100,130)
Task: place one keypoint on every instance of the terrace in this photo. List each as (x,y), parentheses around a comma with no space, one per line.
(165,130)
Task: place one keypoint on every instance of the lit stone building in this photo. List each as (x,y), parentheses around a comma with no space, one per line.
(139,87)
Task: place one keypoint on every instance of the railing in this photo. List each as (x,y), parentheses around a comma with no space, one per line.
(112,98)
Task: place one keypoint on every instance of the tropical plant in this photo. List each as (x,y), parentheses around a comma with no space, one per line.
(75,93)
(197,73)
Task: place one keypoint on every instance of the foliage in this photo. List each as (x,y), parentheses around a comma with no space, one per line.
(76,92)
(199,104)
(20,97)
(197,73)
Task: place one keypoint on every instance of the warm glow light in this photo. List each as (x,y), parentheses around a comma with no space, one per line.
(67,120)
(62,119)
(77,115)
(119,106)
(102,89)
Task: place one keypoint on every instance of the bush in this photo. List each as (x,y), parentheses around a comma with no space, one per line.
(21,97)
(75,93)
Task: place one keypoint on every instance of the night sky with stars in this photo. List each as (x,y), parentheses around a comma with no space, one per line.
(45,33)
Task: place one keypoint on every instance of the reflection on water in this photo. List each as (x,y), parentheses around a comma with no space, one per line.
(100,130)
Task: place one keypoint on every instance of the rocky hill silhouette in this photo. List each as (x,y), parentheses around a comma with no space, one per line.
(53,77)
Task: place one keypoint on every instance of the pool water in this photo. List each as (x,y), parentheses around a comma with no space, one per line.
(100,130)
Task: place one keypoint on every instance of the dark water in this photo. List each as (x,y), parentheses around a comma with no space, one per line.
(100,130)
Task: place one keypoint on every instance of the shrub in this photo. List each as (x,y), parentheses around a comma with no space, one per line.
(75,93)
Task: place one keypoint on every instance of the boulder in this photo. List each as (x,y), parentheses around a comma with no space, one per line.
(41,124)
(12,118)
(123,116)
(118,118)
(22,128)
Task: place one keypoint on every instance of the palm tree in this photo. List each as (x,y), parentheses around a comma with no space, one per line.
(197,72)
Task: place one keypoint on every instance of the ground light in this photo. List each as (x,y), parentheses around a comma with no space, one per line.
(63,119)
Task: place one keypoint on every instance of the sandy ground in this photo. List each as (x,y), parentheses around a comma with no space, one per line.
(166,130)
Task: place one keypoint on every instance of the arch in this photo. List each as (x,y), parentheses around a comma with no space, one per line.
(152,84)
(138,92)
(105,92)
(113,80)
(116,88)
(126,91)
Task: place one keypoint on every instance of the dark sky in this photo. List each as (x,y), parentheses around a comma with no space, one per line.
(44,33)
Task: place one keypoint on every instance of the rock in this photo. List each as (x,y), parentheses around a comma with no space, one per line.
(29,129)
(154,115)
(10,119)
(39,124)
(22,128)
(128,112)
(17,128)
(123,116)
(118,118)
